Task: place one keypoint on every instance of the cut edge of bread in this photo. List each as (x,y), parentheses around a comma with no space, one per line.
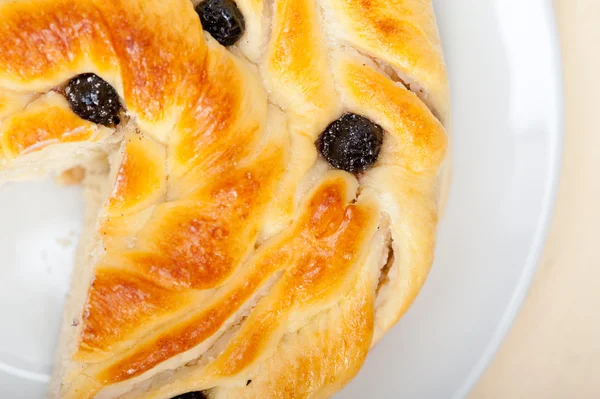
(95,188)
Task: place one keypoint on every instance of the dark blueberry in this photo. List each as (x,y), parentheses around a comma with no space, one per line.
(222,19)
(192,395)
(93,99)
(351,143)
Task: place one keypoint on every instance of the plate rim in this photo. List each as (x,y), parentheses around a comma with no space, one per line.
(544,223)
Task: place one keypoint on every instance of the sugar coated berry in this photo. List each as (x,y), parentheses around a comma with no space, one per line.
(93,99)
(222,19)
(192,395)
(351,143)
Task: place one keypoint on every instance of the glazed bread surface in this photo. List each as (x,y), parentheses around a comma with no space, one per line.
(224,254)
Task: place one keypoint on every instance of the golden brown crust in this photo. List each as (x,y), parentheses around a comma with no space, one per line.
(47,120)
(193,245)
(326,241)
(417,140)
(222,125)
(318,359)
(119,300)
(211,238)
(297,66)
(12,101)
(402,34)
(140,177)
(324,264)
(322,257)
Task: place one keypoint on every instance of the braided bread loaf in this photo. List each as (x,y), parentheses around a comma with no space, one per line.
(225,256)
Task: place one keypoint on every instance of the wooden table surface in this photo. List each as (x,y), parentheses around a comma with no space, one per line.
(553,349)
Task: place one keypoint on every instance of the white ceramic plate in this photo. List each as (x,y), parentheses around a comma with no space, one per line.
(503,61)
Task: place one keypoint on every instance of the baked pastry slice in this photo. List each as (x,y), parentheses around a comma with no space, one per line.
(264,194)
